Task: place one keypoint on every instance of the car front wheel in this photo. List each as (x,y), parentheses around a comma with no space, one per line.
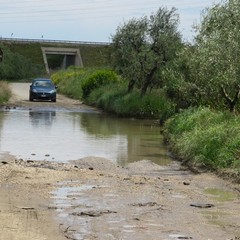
(30,98)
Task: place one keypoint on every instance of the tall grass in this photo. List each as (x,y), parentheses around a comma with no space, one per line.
(70,81)
(5,92)
(114,98)
(206,138)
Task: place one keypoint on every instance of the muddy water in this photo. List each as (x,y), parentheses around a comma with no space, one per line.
(62,135)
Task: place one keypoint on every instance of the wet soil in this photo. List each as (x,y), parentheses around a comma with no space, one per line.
(93,198)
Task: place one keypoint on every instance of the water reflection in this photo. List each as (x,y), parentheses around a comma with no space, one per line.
(42,118)
(65,135)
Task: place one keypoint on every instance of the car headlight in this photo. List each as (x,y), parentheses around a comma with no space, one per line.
(34,90)
(52,91)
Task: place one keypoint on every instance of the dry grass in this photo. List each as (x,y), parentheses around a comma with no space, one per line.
(5,92)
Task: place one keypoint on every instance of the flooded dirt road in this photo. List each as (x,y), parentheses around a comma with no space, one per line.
(94,198)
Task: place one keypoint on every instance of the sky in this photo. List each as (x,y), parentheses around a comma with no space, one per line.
(88,20)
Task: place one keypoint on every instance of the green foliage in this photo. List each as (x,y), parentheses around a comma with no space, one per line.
(155,106)
(5,92)
(216,62)
(114,98)
(15,66)
(79,82)
(201,136)
(104,89)
(70,81)
(178,80)
(105,96)
(142,47)
(67,75)
(98,79)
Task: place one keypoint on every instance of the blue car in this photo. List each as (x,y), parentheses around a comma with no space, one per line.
(42,89)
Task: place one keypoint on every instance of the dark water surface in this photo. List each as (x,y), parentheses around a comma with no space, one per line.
(62,135)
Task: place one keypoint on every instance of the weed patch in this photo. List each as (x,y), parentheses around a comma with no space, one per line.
(206,138)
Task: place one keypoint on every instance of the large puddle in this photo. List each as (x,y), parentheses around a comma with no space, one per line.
(62,135)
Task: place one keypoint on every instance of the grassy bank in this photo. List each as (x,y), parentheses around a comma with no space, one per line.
(204,138)
(115,99)
(5,92)
(106,90)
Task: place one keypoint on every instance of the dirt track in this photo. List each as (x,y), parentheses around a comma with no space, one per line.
(98,200)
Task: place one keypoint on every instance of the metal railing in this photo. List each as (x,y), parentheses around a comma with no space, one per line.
(22,40)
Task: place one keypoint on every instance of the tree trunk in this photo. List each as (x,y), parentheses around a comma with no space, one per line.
(148,81)
(231,102)
(131,86)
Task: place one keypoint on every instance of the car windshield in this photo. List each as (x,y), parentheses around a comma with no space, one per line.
(42,84)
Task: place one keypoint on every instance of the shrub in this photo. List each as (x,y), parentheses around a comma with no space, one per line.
(98,79)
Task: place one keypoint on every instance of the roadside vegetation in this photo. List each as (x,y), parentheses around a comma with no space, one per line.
(192,89)
(105,89)
(205,138)
(209,136)
(16,67)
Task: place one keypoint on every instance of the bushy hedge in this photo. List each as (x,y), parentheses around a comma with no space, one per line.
(205,138)
(98,79)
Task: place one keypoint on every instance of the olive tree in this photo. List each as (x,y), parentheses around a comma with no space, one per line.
(216,62)
(143,47)
(178,79)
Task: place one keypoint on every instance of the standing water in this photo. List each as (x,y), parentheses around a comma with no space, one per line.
(63,135)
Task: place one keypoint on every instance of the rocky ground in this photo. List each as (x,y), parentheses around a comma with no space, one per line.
(94,199)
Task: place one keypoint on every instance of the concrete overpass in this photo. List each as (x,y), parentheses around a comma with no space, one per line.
(76,53)
(72,56)
(49,41)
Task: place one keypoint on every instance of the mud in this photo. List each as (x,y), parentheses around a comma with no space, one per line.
(94,199)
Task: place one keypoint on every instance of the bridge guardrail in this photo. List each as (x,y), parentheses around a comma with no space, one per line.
(22,40)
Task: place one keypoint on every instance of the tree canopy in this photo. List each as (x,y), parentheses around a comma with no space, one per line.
(216,61)
(143,47)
